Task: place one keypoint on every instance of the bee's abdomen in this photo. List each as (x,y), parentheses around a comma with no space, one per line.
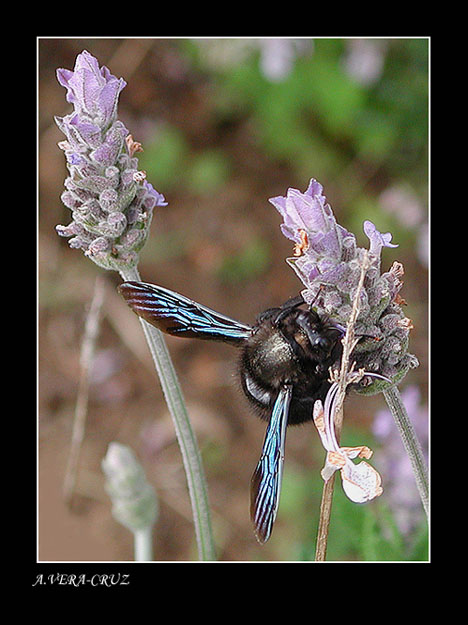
(266,363)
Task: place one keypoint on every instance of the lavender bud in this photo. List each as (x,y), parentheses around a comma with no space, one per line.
(134,502)
(104,177)
(70,200)
(98,246)
(70,230)
(79,243)
(115,225)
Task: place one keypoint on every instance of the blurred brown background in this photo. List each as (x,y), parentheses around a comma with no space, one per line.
(210,115)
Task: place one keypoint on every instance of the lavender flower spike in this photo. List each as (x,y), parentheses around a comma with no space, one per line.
(111,202)
(328,262)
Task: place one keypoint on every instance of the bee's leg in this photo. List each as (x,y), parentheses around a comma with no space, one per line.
(284,310)
(293,302)
(281,311)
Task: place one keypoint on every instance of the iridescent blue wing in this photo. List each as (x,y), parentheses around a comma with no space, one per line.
(266,480)
(179,316)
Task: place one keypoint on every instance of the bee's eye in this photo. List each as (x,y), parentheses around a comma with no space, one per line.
(321,343)
(312,341)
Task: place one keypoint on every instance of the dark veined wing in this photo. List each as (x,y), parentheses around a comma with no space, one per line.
(266,480)
(179,316)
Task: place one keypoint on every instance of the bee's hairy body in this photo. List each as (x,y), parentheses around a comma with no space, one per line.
(281,351)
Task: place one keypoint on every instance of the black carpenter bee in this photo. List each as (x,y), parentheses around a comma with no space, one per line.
(284,367)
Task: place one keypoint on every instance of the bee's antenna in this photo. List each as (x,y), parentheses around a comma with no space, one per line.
(321,287)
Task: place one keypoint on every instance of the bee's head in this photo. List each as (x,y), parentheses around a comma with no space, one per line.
(316,337)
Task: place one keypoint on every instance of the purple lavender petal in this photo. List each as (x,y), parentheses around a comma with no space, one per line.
(64,76)
(108,99)
(93,91)
(377,240)
(108,152)
(158,198)
(87,132)
(310,213)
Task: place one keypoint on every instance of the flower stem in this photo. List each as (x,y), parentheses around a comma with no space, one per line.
(185,435)
(411,443)
(143,545)
(81,408)
(326,503)
(328,487)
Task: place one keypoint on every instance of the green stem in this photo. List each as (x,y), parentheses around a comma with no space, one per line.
(411,443)
(185,435)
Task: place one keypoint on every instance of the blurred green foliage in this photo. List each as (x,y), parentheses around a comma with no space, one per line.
(249,263)
(169,160)
(318,120)
(164,158)
(319,116)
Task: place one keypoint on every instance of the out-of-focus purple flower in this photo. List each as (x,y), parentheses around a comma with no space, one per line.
(394,461)
(364,59)
(278,56)
(111,202)
(328,262)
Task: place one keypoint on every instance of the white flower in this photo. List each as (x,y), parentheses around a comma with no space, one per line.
(361,482)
